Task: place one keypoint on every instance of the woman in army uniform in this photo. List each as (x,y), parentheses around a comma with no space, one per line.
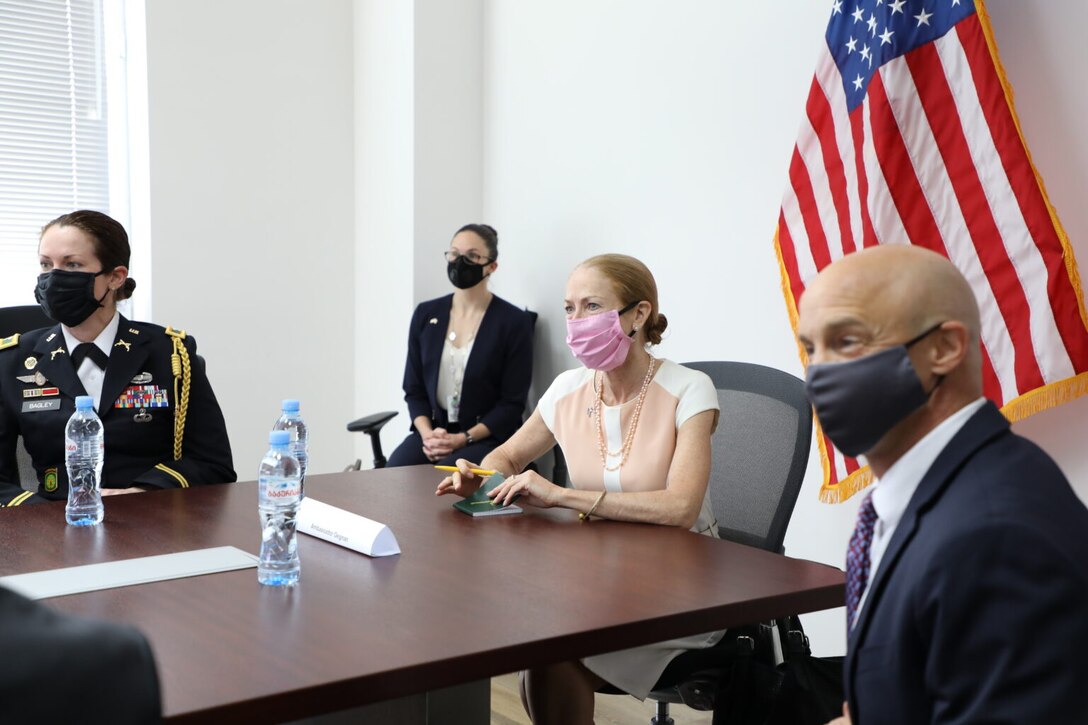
(163,425)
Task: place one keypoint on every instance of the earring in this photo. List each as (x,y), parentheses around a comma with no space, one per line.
(634,329)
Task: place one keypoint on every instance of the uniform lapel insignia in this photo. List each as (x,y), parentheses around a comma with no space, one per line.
(51,336)
(37,378)
(59,371)
(134,331)
(122,343)
(30,363)
(434,321)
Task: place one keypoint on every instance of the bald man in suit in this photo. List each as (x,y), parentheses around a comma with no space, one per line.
(971,600)
(64,669)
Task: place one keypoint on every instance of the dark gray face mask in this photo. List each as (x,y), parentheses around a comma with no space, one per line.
(857,402)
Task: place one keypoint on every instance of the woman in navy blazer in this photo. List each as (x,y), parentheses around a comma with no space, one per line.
(470,361)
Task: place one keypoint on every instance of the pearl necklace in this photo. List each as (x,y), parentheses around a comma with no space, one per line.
(628,439)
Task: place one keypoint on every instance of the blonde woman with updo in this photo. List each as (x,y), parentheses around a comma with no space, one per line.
(635,431)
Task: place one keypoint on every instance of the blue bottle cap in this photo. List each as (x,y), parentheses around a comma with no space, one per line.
(290,405)
(84,402)
(279,437)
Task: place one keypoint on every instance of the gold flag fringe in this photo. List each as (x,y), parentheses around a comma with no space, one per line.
(787,289)
(847,487)
(1067,249)
(1046,397)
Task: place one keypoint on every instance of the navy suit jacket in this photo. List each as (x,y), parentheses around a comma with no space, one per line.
(979,611)
(495,388)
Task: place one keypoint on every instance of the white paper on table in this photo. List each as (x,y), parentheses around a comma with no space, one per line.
(128,572)
(346,529)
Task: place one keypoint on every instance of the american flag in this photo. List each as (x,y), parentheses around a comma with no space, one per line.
(910,137)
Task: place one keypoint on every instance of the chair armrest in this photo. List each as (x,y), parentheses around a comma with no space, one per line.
(371,423)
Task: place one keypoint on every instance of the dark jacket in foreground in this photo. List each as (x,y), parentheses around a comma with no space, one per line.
(64,669)
(979,611)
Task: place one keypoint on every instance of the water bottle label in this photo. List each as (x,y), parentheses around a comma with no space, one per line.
(294,492)
(71,446)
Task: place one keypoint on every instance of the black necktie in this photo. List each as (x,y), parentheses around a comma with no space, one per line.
(94,352)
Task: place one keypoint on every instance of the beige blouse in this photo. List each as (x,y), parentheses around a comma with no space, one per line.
(675,394)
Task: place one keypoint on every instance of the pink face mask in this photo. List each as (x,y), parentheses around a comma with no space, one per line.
(598,341)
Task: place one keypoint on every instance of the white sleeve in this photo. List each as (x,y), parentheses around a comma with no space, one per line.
(697,395)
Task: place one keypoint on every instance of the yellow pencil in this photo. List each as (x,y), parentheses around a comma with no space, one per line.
(477,471)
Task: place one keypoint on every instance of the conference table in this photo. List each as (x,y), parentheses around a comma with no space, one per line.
(467,598)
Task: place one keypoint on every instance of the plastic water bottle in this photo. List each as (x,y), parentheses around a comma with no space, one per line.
(291,421)
(279,487)
(84,447)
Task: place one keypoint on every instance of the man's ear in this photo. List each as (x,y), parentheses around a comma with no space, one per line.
(950,347)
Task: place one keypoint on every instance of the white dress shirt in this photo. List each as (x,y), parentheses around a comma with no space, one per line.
(894,490)
(89,373)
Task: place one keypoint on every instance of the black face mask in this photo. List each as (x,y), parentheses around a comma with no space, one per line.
(464,274)
(857,402)
(68,297)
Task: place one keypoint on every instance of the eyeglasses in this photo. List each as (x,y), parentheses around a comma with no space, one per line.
(472,256)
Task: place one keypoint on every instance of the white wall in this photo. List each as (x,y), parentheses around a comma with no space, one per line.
(665,131)
(252,204)
(419,158)
(384,209)
(448,132)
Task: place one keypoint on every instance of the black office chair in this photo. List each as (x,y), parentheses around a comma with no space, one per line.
(760,452)
(372,426)
(14,320)
(22,318)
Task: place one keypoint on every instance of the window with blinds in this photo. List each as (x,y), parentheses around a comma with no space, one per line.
(54,132)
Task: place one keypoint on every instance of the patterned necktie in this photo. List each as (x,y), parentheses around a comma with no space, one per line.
(857,558)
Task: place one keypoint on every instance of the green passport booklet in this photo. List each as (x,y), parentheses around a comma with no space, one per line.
(478,504)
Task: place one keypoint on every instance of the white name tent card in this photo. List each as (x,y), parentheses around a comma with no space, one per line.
(346,529)
(127,572)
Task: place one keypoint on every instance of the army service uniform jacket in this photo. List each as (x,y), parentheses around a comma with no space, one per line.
(138,408)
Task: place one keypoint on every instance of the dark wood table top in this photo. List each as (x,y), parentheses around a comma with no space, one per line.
(468,598)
